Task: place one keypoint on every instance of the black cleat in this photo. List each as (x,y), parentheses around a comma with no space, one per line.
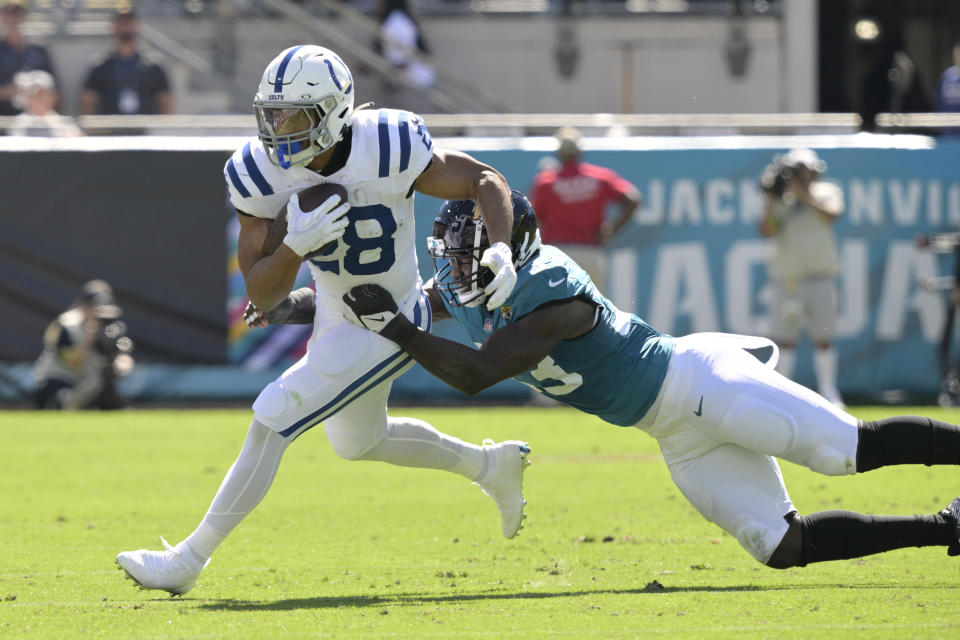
(952,513)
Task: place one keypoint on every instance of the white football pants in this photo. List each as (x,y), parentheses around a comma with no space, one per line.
(721,418)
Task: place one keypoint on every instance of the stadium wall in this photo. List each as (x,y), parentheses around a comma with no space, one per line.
(152,222)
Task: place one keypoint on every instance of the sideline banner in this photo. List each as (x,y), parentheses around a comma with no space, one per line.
(148,215)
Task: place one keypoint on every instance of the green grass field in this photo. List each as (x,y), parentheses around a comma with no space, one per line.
(363,550)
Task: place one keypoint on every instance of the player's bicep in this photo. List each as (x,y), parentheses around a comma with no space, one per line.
(250,242)
(453,175)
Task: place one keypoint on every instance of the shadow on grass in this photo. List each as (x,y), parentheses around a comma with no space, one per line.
(403,599)
(422,598)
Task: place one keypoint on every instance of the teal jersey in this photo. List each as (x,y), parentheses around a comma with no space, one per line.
(613,371)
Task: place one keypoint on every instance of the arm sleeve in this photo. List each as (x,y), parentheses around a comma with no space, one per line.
(416,147)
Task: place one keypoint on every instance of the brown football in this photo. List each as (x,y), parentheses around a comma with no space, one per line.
(310,198)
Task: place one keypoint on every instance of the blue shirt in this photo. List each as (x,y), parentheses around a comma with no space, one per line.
(614,371)
(948,91)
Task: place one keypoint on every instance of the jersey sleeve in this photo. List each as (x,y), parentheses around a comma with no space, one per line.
(404,146)
(543,286)
(250,186)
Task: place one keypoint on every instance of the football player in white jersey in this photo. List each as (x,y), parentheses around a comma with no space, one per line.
(310,133)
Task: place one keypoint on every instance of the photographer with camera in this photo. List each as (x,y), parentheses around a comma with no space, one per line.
(799,212)
(85,350)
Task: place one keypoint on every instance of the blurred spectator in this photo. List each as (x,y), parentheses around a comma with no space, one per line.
(400,37)
(948,90)
(127,82)
(37,95)
(799,213)
(84,351)
(16,54)
(892,85)
(571,204)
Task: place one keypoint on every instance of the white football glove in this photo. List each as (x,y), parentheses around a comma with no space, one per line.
(499,259)
(310,230)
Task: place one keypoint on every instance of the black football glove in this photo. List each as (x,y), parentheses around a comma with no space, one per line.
(374,309)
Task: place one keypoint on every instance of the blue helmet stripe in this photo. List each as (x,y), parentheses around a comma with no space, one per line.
(254,172)
(333,74)
(349,75)
(235,179)
(384,133)
(404,142)
(278,81)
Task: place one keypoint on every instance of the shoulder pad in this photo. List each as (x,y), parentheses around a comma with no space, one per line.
(402,141)
(250,172)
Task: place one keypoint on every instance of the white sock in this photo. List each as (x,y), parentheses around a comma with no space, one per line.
(244,486)
(825,366)
(409,442)
(788,358)
(203,541)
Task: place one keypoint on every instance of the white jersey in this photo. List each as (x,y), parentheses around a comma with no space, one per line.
(389,150)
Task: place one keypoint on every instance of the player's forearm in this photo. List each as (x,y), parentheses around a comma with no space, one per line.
(461,367)
(297,308)
(272,277)
(493,196)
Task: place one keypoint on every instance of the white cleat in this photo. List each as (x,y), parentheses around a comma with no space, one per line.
(503,481)
(173,570)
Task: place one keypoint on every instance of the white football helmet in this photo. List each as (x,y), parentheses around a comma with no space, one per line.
(303,104)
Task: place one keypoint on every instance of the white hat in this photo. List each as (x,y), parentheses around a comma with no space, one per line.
(33,80)
(805,158)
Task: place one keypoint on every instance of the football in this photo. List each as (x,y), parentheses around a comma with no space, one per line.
(310,198)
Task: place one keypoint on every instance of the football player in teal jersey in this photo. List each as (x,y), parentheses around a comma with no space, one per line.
(718,409)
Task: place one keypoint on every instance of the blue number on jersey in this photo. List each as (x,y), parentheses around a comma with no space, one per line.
(357,245)
(424,134)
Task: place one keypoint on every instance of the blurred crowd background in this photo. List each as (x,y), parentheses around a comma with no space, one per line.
(119,116)
(496,56)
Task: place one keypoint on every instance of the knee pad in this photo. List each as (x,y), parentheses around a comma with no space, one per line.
(272,403)
(758,426)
